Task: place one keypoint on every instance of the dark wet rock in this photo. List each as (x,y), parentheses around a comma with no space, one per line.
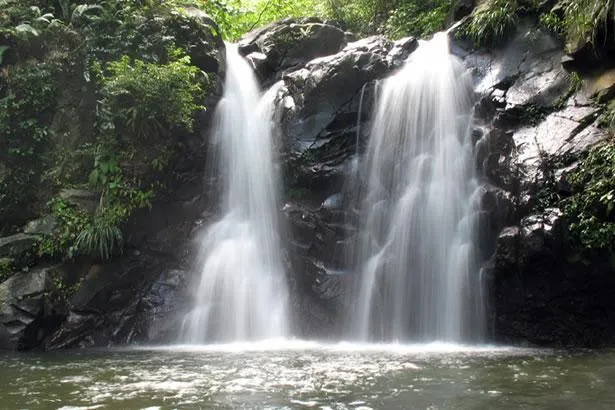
(17,245)
(327,89)
(325,111)
(108,305)
(497,211)
(528,70)
(164,304)
(317,257)
(462,8)
(400,51)
(28,308)
(318,235)
(537,236)
(545,294)
(542,295)
(289,44)
(508,254)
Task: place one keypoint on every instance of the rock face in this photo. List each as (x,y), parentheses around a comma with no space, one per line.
(28,309)
(119,303)
(535,121)
(289,44)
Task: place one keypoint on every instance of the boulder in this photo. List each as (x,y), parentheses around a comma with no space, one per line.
(107,306)
(289,44)
(199,36)
(570,131)
(529,69)
(29,307)
(602,86)
(320,102)
(41,226)
(16,246)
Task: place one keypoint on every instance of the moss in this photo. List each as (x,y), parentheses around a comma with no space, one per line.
(7,268)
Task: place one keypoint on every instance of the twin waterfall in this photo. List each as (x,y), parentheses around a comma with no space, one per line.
(416,254)
(242,295)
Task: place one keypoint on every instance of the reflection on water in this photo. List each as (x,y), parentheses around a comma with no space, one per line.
(276,375)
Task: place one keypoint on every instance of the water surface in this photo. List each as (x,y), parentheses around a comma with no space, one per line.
(307,375)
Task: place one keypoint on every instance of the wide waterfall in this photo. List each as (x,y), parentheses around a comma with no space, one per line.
(417,250)
(242,294)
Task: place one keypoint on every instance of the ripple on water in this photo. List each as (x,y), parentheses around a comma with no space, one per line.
(308,375)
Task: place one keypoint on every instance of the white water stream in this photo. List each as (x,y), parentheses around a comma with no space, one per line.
(417,253)
(242,294)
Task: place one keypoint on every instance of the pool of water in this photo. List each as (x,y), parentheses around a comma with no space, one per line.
(297,375)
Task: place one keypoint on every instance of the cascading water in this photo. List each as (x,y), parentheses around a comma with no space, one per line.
(417,253)
(242,294)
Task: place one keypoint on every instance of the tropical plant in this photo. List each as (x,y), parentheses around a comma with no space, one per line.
(585,19)
(101,237)
(492,22)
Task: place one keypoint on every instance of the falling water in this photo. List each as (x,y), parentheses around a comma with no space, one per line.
(417,254)
(242,294)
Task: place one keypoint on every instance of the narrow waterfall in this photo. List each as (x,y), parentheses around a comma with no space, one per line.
(242,294)
(417,250)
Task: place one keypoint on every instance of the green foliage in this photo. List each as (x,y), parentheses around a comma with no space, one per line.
(2,51)
(27,100)
(492,22)
(116,69)
(584,19)
(70,222)
(236,17)
(607,118)
(7,268)
(591,210)
(419,18)
(553,22)
(102,237)
(578,22)
(149,100)
(63,290)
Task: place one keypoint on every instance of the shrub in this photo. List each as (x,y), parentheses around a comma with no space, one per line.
(591,208)
(584,19)
(70,222)
(492,22)
(419,18)
(27,101)
(149,100)
(101,237)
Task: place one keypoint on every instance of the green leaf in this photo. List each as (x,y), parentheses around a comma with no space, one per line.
(27,28)
(2,51)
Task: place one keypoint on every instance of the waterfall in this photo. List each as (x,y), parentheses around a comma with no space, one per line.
(242,292)
(417,253)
